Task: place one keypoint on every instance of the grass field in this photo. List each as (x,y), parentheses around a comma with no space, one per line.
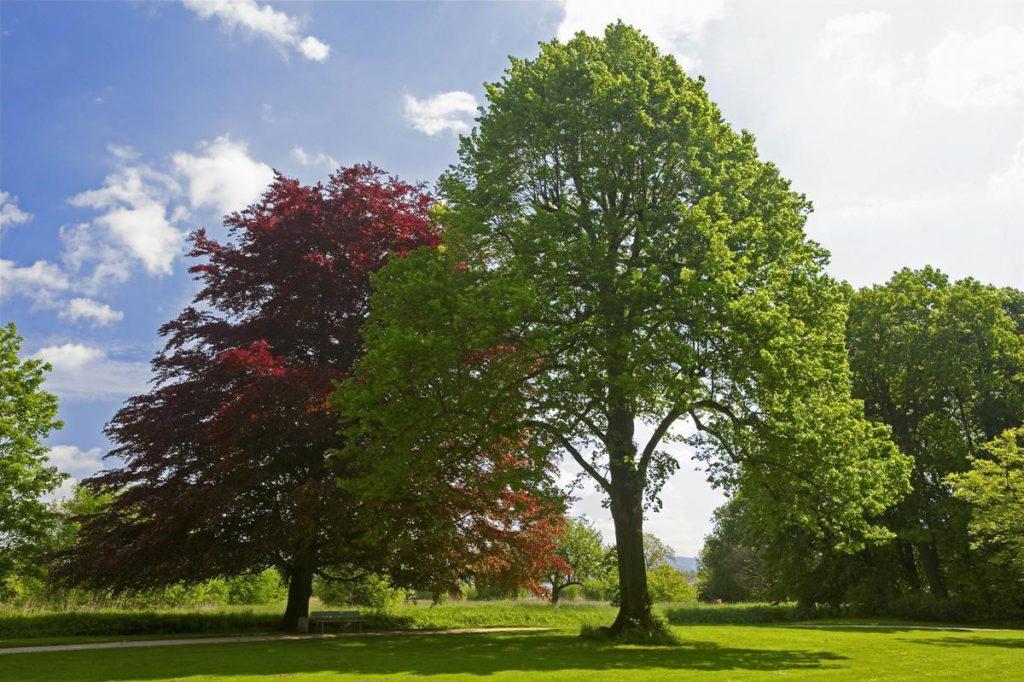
(708,651)
(747,641)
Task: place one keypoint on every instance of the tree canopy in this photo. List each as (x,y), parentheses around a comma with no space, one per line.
(27,415)
(617,254)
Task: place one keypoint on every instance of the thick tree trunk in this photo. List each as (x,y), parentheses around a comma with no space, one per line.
(555,591)
(300,589)
(905,553)
(634,600)
(932,568)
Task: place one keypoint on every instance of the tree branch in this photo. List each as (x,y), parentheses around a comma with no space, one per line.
(576,454)
(659,433)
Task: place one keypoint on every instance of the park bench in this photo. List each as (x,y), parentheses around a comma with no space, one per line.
(322,618)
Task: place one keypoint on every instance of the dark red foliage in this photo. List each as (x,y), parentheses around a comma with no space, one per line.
(226,461)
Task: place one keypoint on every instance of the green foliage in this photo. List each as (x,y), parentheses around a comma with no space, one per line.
(994,487)
(264,587)
(128,623)
(730,569)
(617,253)
(942,363)
(372,591)
(581,551)
(27,415)
(668,584)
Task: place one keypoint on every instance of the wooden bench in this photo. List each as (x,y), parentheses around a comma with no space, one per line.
(322,618)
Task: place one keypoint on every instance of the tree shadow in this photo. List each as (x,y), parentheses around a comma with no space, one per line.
(1001,642)
(417,656)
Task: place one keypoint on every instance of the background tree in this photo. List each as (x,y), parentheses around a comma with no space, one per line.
(27,416)
(994,487)
(621,255)
(942,363)
(580,555)
(225,462)
(730,566)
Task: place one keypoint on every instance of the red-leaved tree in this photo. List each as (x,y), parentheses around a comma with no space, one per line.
(227,461)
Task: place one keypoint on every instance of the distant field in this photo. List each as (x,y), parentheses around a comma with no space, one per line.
(708,651)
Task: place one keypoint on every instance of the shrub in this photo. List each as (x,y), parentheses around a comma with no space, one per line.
(372,591)
(265,587)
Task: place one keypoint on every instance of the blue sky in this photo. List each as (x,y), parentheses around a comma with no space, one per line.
(126,124)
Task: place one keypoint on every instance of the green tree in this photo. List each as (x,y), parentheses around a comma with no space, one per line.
(668,584)
(729,566)
(27,415)
(656,552)
(580,555)
(994,487)
(942,363)
(618,255)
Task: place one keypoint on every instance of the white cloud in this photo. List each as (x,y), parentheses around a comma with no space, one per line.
(452,110)
(223,175)
(1009,183)
(983,70)
(134,201)
(86,308)
(10,212)
(840,30)
(40,276)
(262,20)
(85,372)
(304,158)
(673,25)
(73,460)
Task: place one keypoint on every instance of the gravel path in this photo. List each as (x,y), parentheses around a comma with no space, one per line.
(138,644)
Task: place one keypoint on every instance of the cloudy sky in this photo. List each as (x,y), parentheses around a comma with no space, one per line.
(126,125)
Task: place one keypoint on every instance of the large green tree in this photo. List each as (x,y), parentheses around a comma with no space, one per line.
(942,363)
(27,415)
(619,256)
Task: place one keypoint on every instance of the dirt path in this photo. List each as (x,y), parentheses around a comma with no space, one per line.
(138,644)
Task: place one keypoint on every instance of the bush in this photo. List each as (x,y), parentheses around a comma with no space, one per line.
(265,587)
(372,591)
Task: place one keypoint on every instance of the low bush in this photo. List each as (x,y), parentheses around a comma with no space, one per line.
(721,614)
(19,625)
(371,591)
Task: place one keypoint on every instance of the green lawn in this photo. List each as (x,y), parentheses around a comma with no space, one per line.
(722,651)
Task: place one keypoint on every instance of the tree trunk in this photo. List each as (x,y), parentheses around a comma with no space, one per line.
(555,591)
(905,553)
(634,600)
(300,589)
(932,568)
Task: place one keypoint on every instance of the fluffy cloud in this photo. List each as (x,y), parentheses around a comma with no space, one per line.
(674,26)
(38,276)
(840,30)
(983,70)
(85,372)
(452,110)
(88,309)
(304,158)
(133,200)
(73,460)
(10,212)
(964,70)
(222,175)
(264,21)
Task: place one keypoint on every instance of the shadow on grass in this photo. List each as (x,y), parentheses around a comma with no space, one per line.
(1001,642)
(418,656)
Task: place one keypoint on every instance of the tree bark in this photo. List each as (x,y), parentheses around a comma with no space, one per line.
(555,591)
(932,568)
(905,553)
(300,589)
(634,600)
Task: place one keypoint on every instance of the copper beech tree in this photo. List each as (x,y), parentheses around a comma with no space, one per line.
(225,465)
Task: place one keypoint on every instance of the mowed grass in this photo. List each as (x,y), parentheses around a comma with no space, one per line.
(708,651)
